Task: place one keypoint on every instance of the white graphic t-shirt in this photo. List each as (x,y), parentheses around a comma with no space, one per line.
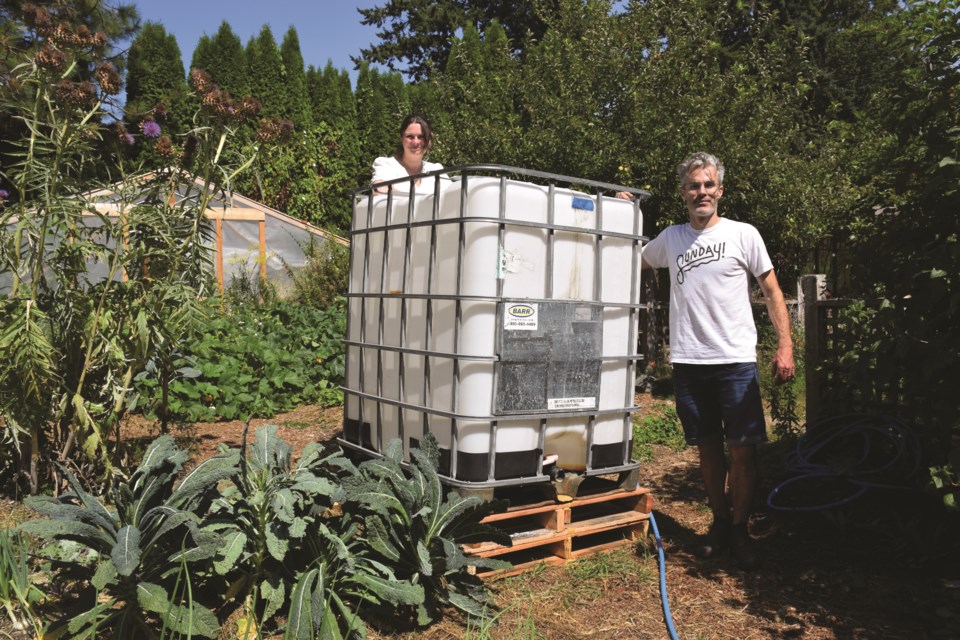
(711,321)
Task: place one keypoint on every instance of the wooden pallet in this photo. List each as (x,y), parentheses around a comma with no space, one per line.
(554,533)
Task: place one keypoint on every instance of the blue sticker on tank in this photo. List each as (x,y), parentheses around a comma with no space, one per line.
(582,203)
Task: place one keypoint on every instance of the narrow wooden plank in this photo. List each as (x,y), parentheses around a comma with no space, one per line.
(219,256)
(489,549)
(606,523)
(518,512)
(602,548)
(263,250)
(607,497)
(641,493)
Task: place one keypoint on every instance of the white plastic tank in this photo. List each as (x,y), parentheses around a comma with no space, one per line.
(499,315)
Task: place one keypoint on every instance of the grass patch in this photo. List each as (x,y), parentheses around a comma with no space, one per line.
(596,574)
(661,427)
(525,627)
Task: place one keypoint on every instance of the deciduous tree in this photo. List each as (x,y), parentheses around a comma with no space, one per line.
(416,35)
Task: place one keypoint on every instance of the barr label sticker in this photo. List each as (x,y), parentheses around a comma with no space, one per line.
(560,404)
(520,317)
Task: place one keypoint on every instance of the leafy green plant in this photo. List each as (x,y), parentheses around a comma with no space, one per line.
(134,555)
(324,277)
(785,408)
(341,578)
(253,361)
(786,401)
(884,365)
(309,177)
(248,287)
(662,427)
(18,594)
(264,514)
(416,531)
(946,483)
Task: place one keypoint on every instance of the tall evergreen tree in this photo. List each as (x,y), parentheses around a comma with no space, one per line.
(347,101)
(334,109)
(313,78)
(226,62)
(381,106)
(155,74)
(477,119)
(298,106)
(324,103)
(331,95)
(266,73)
(202,57)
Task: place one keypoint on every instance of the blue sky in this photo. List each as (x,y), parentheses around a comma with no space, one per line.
(328,29)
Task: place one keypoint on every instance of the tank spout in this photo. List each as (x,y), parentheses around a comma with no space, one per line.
(566,484)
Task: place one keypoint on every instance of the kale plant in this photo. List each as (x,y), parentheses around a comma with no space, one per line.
(139,555)
(264,514)
(418,532)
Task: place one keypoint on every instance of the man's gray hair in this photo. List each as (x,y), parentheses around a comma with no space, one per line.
(698,160)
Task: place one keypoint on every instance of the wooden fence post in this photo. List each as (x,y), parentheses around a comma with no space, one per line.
(811,290)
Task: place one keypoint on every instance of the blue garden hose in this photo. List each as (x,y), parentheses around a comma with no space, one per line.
(883,449)
(663,581)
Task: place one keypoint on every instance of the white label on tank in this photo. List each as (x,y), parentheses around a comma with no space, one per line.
(520,317)
(553,404)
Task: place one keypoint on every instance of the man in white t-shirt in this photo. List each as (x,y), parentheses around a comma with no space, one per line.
(713,343)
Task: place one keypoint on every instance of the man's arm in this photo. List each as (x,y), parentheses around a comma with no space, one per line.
(783,366)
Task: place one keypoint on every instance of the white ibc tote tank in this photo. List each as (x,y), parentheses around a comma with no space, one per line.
(500,316)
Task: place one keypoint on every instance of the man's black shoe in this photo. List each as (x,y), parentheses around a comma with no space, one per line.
(716,541)
(743,547)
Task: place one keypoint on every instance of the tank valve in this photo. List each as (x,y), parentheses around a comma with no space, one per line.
(566,485)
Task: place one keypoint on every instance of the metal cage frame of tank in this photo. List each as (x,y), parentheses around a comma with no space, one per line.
(628,467)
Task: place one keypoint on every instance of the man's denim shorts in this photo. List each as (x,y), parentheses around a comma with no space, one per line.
(720,401)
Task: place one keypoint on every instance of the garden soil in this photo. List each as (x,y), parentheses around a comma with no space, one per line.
(891,574)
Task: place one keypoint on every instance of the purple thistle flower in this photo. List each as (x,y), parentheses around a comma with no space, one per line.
(151,129)
(128,139)
(4,194)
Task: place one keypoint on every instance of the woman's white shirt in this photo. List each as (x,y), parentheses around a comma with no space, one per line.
(389,168)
